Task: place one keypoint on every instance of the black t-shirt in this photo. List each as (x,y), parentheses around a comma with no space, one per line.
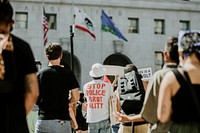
(55,82)
(17,64)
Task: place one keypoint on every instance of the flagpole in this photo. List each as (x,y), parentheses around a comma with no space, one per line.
(43,3)
(71,40)
(42,50)
(72,46)
(101,34)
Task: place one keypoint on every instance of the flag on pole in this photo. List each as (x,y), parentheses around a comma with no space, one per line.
(45,26)
(84,22)
(108,26)
(106,79)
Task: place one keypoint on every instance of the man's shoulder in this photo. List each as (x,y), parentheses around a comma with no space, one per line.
(18,40)
(20,44)
(161,72)
(90,82)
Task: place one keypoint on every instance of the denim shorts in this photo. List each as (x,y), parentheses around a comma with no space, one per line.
(53,126)
(103,126)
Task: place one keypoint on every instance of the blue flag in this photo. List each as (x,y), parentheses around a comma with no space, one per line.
(109,26)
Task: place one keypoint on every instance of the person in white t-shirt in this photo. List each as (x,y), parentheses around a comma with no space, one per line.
(98,94)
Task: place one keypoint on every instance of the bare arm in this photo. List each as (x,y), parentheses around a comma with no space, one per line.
(145,83)
(164,101)
(117,100)
(32,91)
(127,118)
(74,95)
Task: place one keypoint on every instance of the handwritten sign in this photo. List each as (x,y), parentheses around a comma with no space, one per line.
(145,72)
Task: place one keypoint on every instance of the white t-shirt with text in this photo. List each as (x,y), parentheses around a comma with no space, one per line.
(98,94)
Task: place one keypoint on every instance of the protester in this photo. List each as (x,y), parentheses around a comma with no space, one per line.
(176,97)
(98,94)
(130,93)
(18,81)
(149,109)
(55,82)
(81,114)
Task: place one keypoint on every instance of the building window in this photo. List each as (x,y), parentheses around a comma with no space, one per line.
(133,25)
(159,60)
(184,25)
(21,20)
(159,26)
(51,18)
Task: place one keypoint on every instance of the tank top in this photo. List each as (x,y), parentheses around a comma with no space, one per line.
(183,106)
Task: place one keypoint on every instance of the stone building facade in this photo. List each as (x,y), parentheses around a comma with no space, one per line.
(145,23)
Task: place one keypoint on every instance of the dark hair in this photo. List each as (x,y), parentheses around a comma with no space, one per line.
(129,68)
(53,51)
(190,43)
(82,97)
(38,64)
(6,11)
(172,48)
(96,78)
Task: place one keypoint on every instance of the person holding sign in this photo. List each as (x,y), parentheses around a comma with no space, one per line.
(98,94)
(149,109)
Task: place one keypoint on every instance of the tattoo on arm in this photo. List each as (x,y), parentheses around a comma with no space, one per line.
(163,109)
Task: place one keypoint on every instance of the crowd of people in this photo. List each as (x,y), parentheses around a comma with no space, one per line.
(50,100)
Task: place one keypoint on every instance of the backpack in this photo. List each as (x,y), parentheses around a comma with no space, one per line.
(131,93)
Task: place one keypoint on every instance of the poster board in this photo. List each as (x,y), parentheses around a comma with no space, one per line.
(113,70)
(146,73)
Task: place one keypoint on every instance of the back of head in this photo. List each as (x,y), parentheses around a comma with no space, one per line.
(82,97)
(171,48)
(53,51)
(189,43)
(130,67)
(6,11)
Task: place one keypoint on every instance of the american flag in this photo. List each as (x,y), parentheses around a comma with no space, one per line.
(45,26)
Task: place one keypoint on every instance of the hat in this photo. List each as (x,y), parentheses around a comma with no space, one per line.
(188,40)
(97,70)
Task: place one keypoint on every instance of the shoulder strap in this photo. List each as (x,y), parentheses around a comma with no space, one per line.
(192,90)
(179,77)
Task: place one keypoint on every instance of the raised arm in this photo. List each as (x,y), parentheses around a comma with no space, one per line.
(32,91)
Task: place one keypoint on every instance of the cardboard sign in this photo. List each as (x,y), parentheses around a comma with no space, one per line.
(146,73)
(113,70)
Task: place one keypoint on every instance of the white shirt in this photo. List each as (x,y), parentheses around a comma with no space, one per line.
(98,94)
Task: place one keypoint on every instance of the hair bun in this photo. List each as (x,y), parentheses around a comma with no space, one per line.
(188,41)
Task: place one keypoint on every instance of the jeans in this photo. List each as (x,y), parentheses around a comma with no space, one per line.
(100,127)
(115,128)
(53,126)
